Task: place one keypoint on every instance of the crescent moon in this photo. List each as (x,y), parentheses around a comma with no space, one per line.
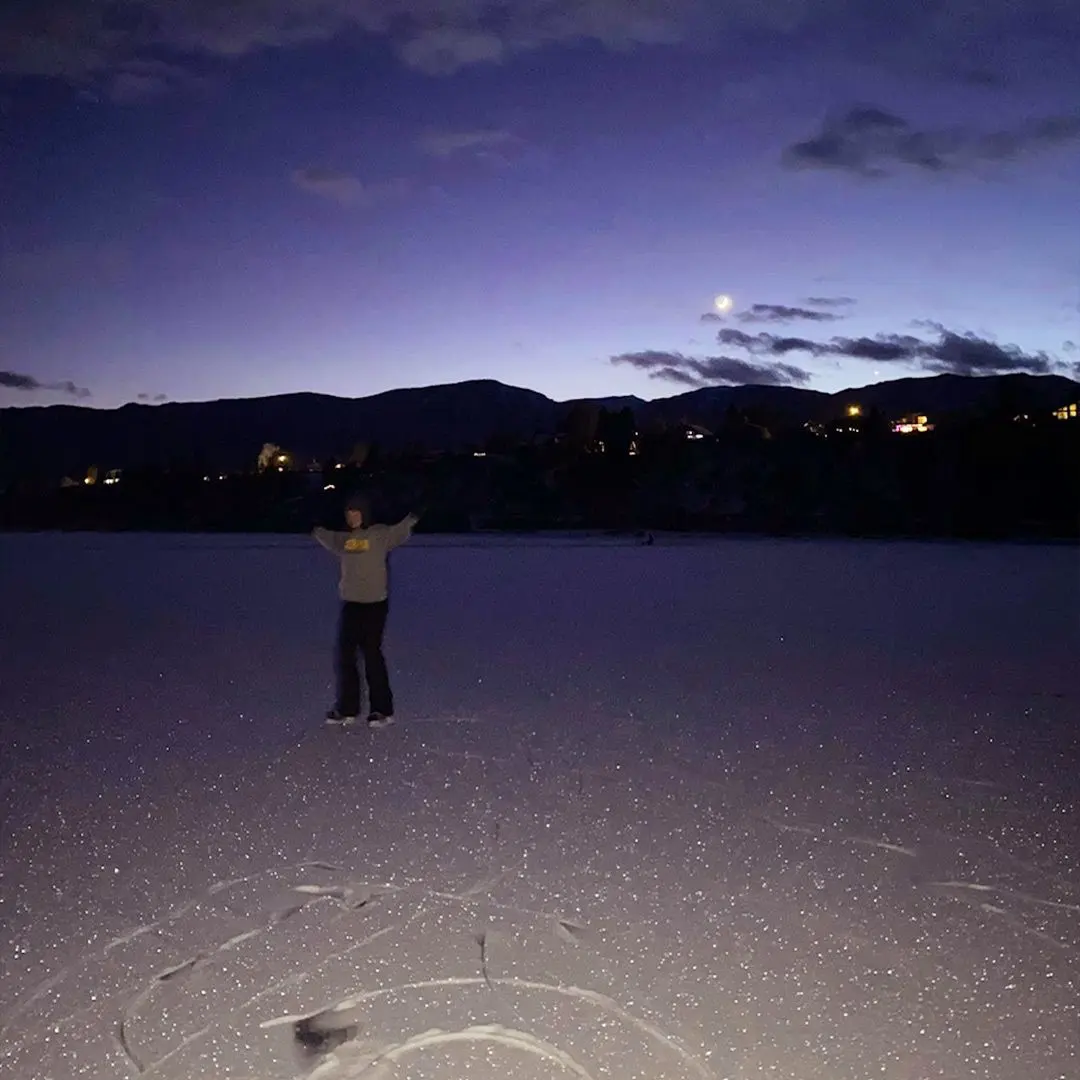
(723,302)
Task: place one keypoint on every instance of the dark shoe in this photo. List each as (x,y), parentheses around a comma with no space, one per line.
(380,720)
(336,716)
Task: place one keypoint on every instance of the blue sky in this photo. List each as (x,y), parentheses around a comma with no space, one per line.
(335,195)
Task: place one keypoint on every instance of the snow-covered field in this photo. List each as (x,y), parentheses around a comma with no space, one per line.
(708,810)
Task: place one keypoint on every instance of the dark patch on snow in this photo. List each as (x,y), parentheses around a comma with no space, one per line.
(322,1033)
(481,940)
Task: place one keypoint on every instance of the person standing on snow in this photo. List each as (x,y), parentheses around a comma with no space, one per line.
(364,589)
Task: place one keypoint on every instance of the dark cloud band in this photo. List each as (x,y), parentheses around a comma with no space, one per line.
(80,41)
(766,361)
(957,353)
(13,380)
(712,370)
(871,142)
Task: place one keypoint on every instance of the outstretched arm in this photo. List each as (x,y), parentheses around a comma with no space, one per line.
(332,541)
(399,533)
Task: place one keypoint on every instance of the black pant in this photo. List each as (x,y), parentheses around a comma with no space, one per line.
(360,629)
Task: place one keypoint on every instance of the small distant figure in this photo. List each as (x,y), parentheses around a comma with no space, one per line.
(364,589)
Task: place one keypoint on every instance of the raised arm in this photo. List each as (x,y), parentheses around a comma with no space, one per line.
(397,534)
(332,541)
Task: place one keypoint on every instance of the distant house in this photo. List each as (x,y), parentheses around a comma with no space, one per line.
(908,425)
(1068,412)
(695,432)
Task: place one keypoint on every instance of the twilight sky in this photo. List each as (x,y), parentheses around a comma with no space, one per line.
(203,200)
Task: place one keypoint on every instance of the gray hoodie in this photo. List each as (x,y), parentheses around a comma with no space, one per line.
(363,557)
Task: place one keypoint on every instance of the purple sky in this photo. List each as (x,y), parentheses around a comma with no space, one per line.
(348,196)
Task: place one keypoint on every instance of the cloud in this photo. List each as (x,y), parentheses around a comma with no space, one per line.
(667,373)
(829,301)
(68,387)
(80,41)
(765,362)
(871,142)
(765,343)
(711,370)
(782,313)
(447,144)
(331,184)
(950,353)
(140,80)
(156,399)
(344,188)
(13,380)
(127,87)
(443,50)
(87,42)
(882,348)
(967,354)
(1070,346)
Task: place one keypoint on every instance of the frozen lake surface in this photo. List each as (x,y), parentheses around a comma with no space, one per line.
(708,810)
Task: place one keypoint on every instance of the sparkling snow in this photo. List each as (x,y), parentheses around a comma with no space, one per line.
(709,810)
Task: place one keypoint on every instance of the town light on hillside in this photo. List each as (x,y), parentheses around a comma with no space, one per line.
(910,424)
